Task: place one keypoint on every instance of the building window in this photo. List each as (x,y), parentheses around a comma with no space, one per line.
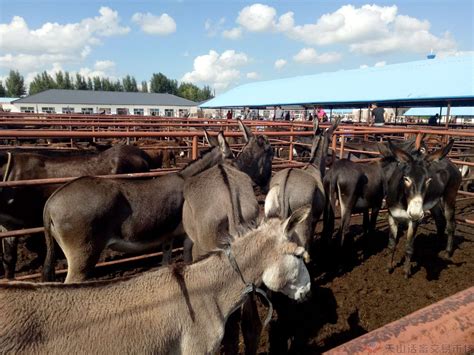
(155,111)
(68,110)
(138,111)
(87,110)
(105,111)
(169,113)
(122,111)
(27,109)
(48,110)
(183,113)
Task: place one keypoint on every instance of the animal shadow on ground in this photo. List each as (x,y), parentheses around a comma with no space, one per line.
(355,330)
(333,261)
(298,323)
(428,248)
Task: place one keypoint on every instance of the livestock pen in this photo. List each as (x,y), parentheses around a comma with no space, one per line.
(349,299)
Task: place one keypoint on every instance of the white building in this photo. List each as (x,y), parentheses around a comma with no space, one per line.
(6,104)
(106,102)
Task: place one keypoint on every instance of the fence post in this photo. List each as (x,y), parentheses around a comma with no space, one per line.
(418,140)
(290,153)
(195,148)
(342,147)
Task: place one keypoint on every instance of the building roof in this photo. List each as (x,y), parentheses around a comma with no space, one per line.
(430,111)
(86,97)
(7,100)
(421,83)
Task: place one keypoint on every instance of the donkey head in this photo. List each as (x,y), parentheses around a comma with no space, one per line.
(287,272)
(416,177)
(255,158)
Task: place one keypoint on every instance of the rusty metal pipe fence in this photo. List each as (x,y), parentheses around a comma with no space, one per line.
(293,129)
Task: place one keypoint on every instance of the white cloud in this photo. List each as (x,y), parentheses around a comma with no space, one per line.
(380,64)
(102,68)
(257,18)
(310,56)
(452,53)
(161,25)
(54,44)
(234,33)
(252,75)
(280,63)
(219,70)
(364,66)
(213,28)
(369,29)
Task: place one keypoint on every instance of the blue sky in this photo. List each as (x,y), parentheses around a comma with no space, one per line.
(226,43)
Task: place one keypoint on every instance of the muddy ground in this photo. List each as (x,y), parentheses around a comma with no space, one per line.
(352,291)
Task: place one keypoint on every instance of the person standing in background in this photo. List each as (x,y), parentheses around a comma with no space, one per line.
(378,116)
(321,114)
(229,115)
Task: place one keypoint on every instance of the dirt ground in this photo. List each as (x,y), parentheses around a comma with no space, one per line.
(352,291)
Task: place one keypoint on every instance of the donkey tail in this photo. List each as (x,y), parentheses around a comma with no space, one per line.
(48,266)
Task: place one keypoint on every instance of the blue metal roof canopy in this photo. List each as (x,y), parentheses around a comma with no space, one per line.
(429,82)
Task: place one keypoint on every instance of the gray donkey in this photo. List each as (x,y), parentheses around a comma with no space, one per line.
(89,214)
(292,188)
(175,310)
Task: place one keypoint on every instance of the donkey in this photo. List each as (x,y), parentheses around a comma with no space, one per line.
(175,310)
(421,182)
(357,187)
(22,207)
(89,214)
(292,188)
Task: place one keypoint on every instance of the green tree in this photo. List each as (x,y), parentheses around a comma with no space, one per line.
(60,83)
(189,91)
(205,93)
(161,84)
(129,84)
(97,83)
(15,84)
(89,84)
(80,83)
(107,85)
(117,85)
(2,90)
(42,82)
(144,86)
(68,81)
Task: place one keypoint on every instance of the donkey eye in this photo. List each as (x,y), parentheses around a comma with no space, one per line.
(407,180)
(427,182)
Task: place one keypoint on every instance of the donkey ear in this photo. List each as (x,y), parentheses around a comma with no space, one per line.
(211,141)
(246,131)
(384,150)
(316,126)
(440,153)
(334,126)
(296,218)
(399,154)
(223,145)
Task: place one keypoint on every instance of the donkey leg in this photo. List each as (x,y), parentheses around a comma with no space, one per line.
(251,325)
(449,213)
(81,260)
(366,222)
(392,241)
(167,248)
(440,219)
(230,342)
(188,250)
(10,255)
(373,218)
(410,247)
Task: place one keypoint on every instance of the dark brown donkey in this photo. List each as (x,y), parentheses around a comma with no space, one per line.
(89,214)
(22,207)
(359,187)
(421,182)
